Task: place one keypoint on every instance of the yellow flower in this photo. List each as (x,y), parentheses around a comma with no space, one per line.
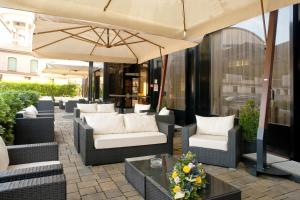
(176,189)
(186,169)
(174,174)
(198,180)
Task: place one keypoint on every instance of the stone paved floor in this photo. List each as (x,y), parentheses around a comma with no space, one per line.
(108,181)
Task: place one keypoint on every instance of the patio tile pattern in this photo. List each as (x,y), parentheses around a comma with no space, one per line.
(109,182)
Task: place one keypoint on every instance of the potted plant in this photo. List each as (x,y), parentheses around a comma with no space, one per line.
(249,117)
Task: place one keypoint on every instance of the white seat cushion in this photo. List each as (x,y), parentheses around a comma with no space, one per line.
(106,124)
(128,140)
(30,112)
(87,108)
(4,159)
(140,123)
(209,141)
(82,115)
(214,125)
(34,164)
(139,107)
(164,111)
(106,108)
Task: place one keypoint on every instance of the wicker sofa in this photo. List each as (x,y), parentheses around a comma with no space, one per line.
(34,172)
(45,106)
(92,155)
(211,148)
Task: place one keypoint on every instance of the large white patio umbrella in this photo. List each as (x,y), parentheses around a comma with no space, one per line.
(188,19)
(62,38)
(66,70)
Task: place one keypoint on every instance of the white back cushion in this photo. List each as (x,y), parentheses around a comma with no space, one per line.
(106,124)
(214,125)
(32,109)
(139,107)
(87,108)
(4,159)
(106,108)
(140,123)
(164,111)
(82,115)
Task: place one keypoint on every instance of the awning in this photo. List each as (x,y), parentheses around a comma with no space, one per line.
(188,19)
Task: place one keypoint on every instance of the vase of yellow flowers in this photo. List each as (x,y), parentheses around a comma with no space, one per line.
(187,178)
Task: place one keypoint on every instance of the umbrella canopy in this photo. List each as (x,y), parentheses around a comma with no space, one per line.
(63,38)
(69,70)
(188,19)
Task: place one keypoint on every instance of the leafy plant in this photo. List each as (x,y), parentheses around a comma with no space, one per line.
(6,122)
(249,117)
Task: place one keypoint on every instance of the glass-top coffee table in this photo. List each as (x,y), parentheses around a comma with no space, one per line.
(153,182)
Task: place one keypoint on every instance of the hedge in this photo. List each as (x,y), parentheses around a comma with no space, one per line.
(44,89)
(10,103)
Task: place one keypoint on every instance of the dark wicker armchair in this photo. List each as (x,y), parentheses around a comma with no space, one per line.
(229,158)
(34,130)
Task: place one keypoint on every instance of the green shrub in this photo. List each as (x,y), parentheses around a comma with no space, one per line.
(44,89)
(10,103)
(6,122)
(249,117)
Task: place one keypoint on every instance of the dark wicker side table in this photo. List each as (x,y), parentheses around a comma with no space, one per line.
(153,183)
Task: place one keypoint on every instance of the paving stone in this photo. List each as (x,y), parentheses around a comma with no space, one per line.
(85,184)
(113,193)
(108,186)
(96,196)
(88,190)
(72,188)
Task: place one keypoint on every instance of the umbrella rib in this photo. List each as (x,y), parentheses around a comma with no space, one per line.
(83,38)
(183,17)
(59,30)
(126,45)
(126,38)
(121,44)
(70,36)
(144,39)
(94,47)
(106,6)
(114,38)
(100,36)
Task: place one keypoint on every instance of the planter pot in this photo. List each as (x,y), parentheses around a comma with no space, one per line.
(249,147)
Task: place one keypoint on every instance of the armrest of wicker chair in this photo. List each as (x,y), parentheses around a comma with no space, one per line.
(86,141)
(234,142)
(34,130)
(187,132)
(48,187)
(20,154)
(170,119)
(46,111)
(45,114)
(167,129)
(32,172)
(76,112)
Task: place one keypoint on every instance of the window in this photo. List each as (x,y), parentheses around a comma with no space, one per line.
(33,66)
(237,61)
(175,81)
(12,64)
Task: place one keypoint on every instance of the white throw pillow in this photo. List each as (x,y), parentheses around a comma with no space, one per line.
(32,109)
(106,108)
(87,108)
(214,125)
(164,111)
(140,123)
(4,159)
(106,124)
(139,107)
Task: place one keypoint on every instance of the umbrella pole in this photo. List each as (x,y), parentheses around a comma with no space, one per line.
(163,80)
(90,87)
(261,161)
